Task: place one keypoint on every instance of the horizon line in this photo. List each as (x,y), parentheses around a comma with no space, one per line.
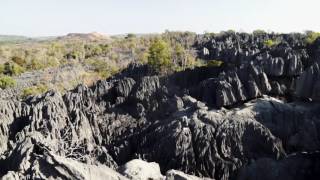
(145,33)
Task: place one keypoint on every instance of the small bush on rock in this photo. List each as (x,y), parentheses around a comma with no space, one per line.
(270,43)
(7,82)
(12,69)
(34,90)
(214,63)
(311,37)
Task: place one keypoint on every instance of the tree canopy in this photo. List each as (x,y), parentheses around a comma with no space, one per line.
(160,55)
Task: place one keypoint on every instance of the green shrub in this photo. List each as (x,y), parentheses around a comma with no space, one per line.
(7,82)
(311,37)
(214,63)
(114,56)
(34,90)
(93,50)
(56,49)
(35,64)
(52,62)
(200,63)
(102,68)
(270,43)
(160,55)
(75,51)
(12,69)
(143,57)
(105,48)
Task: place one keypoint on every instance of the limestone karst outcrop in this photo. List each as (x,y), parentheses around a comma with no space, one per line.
(248,119)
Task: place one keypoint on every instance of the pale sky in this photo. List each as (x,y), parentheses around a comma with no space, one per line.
(59,17)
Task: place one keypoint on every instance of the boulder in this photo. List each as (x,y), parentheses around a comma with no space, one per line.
(141,170)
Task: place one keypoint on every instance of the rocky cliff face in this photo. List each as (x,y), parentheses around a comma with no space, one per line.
(209,122)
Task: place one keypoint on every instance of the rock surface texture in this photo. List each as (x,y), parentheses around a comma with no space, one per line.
(255,117)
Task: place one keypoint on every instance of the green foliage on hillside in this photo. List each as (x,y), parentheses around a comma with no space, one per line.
(103,68)
(97,59)
(92,50)
(171,51)
(6,82)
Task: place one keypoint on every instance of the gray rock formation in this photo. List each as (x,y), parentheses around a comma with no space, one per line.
(153,118)
(208,122)
(141,170)
(297,166)
(32,160)
(178,175)
(308,84)
(234,86)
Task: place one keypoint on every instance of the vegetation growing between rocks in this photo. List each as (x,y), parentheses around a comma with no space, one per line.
(34,90)
(91,125)
(270,43)
(311,36)
(77,60)
(6,82)
(214,63)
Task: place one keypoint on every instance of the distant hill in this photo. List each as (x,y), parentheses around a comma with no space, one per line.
(94,36)
(13,38)
(22,39)
(84,36)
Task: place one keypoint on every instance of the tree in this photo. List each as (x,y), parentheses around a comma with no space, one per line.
(159,56)
(180,57)
(130,36)
(258,32)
